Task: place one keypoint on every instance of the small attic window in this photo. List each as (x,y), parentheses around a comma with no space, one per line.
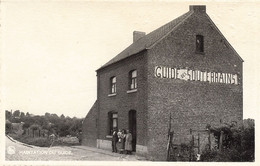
(199,44)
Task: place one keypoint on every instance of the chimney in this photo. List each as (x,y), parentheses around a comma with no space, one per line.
(137,35)
(198,8)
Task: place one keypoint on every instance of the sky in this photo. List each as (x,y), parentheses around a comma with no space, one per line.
(51,49)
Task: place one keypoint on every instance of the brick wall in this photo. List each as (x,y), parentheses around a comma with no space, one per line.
(193,104)
(123,102)
(89,127)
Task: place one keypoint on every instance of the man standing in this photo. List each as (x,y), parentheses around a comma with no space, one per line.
(114,140)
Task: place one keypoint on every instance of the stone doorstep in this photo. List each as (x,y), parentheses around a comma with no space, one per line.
(107,152)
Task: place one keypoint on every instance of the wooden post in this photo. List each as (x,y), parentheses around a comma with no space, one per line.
(169,140)
(171,137)
(191,147)
(209,140)
(198,143)
(221,141)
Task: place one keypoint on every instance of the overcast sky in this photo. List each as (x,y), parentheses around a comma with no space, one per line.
(51,49)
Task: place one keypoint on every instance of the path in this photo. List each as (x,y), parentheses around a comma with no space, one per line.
(16,151)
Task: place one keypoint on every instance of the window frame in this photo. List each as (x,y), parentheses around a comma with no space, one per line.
(111,121)
(199,44)
(113,85)
(132,80)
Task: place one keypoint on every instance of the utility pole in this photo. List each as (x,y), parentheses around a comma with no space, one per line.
(169,143)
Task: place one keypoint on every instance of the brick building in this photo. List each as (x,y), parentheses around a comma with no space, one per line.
(186,68)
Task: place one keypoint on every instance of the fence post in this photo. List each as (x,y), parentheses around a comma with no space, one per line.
(169,140)
(198,143)
(221,141)
(191,147)
(209,140)
(190,144)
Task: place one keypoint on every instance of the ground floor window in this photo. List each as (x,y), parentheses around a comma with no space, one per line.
(113,122)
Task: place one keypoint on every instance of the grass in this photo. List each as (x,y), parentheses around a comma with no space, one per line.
(44,141)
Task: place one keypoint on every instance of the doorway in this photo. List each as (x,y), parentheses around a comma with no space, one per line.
(132,127)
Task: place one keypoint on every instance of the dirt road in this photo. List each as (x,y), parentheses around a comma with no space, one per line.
(16,151)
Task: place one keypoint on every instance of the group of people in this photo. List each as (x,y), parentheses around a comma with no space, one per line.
(122,141)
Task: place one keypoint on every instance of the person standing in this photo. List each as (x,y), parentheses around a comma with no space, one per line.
(114,141)
(121,141)
(128,142)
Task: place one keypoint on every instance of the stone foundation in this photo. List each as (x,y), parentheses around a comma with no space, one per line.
(107,145)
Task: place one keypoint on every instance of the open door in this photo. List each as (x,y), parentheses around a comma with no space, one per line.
(132,127)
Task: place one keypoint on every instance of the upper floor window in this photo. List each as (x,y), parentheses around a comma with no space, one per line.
(113,84)
(199,43)
(133,79)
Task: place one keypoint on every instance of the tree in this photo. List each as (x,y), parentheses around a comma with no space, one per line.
(64,130)
(62,116)
(34,127)
(26,126)
(8,127)
(8,115)
(47,114)
(55,115)
(22,115)
(16,113)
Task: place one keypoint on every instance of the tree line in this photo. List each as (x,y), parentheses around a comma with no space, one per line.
(49,123)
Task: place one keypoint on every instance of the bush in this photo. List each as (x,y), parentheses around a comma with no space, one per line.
(46,142)
(39,141)
(8,127)
(42,142)
(64,141)
(226,155)
(238,143)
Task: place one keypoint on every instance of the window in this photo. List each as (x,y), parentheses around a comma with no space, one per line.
(199,44)
(112,120)
(113,85)
(132,79)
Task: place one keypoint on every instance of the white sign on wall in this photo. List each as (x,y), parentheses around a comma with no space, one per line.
(195,75)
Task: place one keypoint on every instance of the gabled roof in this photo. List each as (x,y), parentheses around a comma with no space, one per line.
(151,39)
(216,28)
(148,40)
